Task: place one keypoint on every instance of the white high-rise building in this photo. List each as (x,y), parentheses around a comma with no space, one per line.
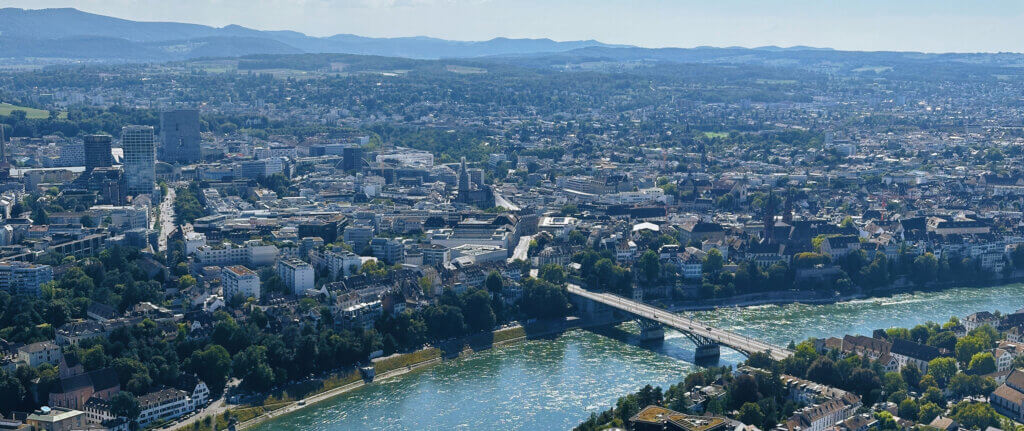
(24,278)
(240,280)
(297,275)
(139,158)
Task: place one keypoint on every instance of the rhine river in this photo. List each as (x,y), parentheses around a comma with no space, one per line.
(553,384)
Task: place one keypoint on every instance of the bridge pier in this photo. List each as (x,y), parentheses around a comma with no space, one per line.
(706,350)
(707,353)
(651,331)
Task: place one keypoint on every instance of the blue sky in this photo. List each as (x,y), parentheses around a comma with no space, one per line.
(905,25)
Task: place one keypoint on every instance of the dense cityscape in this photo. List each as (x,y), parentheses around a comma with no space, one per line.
(220,242)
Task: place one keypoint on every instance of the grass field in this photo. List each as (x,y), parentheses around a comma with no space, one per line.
(7,108)
(716,134)
(33,113)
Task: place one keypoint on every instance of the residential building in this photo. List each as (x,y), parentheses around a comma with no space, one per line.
(1008,398)
(36,354)
(162,405)
(297,275)
(24,278)
(56,419)
(908,352)
(238,279)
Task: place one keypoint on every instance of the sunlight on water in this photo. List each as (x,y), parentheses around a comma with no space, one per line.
(555,384)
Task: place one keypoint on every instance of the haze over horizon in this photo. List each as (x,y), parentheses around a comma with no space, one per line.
(870,25)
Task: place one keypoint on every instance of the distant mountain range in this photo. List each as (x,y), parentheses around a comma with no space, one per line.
(73,34)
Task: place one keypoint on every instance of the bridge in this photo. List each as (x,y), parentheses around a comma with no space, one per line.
(653,320)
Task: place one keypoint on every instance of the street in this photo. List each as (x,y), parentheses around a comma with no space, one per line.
(166,218)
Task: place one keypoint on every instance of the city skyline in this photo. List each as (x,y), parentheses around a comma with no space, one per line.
(866,26)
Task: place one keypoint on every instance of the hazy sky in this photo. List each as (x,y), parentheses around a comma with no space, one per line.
(919,25)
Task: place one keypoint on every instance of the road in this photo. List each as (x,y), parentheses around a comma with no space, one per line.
(500,201)
(683,324)
(215,408)
(522,249)
(166,218)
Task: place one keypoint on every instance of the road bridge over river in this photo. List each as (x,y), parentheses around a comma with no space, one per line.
(706,337)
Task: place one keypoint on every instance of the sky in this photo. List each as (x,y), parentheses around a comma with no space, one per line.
(872,25)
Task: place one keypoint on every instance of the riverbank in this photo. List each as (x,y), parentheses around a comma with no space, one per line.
(556,382)
(811,298)
(396,366)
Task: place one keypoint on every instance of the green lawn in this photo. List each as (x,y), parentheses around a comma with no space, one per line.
(716,134)
(7,108)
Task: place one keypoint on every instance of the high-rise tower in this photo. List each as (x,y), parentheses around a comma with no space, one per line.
(139,159)
(179,136)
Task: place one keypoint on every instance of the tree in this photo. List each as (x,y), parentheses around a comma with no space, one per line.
(942,369)
(823,370)
(649,266)
(544,300)
(928,413)
(494,282)
(186,281)
(744,390)
(893,382)
(713,262)
(908,409)
(477,311)
(925,269)
(751,414)
(444,321)
(552,273)
(982,363)
(975,415)
(125,404)
(966,385)
(911,375)
(11,392)
(212,365)
(968,346)
(942,340)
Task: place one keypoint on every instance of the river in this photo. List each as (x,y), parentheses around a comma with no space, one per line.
(553,384)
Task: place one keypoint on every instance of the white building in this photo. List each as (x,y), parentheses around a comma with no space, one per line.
(251,254)
(238,279)
(297,275)
(340,262)
(24,278)
(36,354)
(162,405)
(275,151)
(409,158)
(123,217)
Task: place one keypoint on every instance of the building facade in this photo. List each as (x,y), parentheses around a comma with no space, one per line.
(297,275)
(139,159)
(179,136)
(238,279)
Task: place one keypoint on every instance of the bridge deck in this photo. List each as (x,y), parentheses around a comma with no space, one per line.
(731,339)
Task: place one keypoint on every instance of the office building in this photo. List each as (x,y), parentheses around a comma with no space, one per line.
(139,159)
(71,154)
(179,136)
(238,279)
(352,158)
(97,151)
(391,251)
